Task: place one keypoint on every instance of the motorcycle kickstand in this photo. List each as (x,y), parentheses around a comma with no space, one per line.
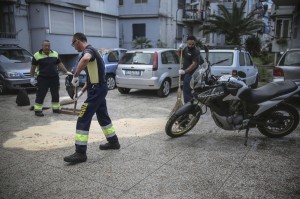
(246,136)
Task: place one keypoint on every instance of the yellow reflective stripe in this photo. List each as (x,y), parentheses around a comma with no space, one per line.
(108,131)
(55,105)
(38,107)
(93,71)
(83,109)
(81,138)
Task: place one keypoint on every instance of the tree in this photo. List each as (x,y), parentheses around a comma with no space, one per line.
(253,45)
(141,42)
(233,24)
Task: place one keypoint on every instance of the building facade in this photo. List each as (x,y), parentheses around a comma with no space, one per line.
(286,26)
(29,22)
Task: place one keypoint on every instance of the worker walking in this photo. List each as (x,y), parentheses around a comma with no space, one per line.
(96,87)
(45,63)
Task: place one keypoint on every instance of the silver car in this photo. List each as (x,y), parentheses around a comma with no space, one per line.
(149,69)
(15,64)
(288,67)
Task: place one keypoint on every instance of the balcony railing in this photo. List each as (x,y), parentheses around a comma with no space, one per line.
(8,35)
(193,16)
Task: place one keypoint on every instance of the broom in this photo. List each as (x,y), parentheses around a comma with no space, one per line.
(178,103)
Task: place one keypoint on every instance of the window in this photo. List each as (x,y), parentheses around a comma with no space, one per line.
(169,57)
(248,60)
(7,21)
(138,30)
(61,22)
(121,2)
(215,57)
(140,1)
(92,25)
(109,27)
(291,58)
(242,59)
(282,28)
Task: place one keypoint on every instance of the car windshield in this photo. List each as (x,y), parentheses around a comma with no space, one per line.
(137,58)
(215,57)
(14,55)
(291,58)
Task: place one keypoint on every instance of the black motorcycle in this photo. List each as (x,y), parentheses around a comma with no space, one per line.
(235,106)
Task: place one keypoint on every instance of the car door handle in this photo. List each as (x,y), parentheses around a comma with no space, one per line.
(170,68)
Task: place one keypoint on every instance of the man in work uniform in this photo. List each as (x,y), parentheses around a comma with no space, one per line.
(191,60)
(96,87)
(45,62)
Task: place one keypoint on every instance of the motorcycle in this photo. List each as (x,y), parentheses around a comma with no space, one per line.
(235,106)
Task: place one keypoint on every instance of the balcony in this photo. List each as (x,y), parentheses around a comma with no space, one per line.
(193,16)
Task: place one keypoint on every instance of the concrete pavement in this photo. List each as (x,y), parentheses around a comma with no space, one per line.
(206,163)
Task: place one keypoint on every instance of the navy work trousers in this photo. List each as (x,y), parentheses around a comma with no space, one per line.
(43,85)
(187,91)
(95,103)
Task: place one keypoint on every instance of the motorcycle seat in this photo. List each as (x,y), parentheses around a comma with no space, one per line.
(268,91)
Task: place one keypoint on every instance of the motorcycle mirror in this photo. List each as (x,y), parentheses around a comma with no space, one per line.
(241,74)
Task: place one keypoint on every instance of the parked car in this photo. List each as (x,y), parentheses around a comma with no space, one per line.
(238,60)
(288,67)
(15,64)
(111,57)
(149,69)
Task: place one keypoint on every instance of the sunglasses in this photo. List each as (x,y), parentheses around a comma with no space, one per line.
(73,42)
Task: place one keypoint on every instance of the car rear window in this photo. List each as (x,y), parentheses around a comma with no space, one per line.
(219,56)
(291,58)
(137,58)
(14,55)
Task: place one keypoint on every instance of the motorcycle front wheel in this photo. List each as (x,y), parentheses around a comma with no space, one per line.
(279,121)
(178,125)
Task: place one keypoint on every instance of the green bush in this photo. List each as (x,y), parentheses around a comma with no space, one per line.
(263,71)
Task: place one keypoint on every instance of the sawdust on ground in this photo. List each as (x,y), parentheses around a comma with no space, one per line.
(58,134)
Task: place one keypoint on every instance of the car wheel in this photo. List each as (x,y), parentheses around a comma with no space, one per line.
(253,86)
(3,89)
(111,82)
(124,90)
(164,90)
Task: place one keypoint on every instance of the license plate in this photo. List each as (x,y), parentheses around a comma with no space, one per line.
(133,72)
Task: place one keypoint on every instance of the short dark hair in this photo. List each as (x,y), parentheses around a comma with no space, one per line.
(80,36)
(191,38)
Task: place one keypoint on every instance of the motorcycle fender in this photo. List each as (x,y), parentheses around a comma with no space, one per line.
(187,108)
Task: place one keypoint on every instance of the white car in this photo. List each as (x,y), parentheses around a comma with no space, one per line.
(238,60)
(149,69)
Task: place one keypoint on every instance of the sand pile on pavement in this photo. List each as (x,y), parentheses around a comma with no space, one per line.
(60,134)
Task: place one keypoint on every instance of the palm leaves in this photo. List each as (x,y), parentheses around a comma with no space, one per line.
(141,42)
(233,24)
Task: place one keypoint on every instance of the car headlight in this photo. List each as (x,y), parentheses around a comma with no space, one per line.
(14,75)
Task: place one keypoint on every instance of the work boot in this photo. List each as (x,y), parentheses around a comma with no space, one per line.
(76,158)
(56,111)
(39,113)
(109,145)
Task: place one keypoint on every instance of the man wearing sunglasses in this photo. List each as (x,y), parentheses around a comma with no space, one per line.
(96,88)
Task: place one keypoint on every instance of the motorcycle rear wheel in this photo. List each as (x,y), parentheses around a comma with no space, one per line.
(279,121)
(178,125)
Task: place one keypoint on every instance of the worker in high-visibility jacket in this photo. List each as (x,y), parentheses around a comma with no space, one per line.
(96,87)
(45,63)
